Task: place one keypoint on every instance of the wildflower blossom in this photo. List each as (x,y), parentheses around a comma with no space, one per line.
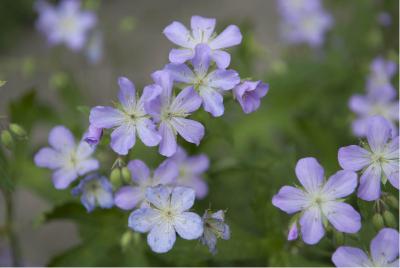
(208,85)
(319,201)
(67,159)
(170,112)
(128,197)
(249,94)
(93,135)
(304,21)
(65,23)
(94,190)
(166,216)
(126,120)
(191,169)
(378,162)
(379,81)
(384,252)
(202,32)
(214,228)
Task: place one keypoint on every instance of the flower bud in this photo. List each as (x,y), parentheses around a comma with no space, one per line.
(93,135)
(126,240)
(393,201)
(293,232)
(377,221)
(17,130)
(126,175)
(389,218)
(115,178)
(6,139)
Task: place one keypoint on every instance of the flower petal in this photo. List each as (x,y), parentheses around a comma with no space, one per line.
(106,117)
(123,139)
(350,257)
(360,105)
(353,157)
(62,178)
(188,225)
(201,59)
(311,226)
(391,170)
(127,93)
(180,55)
(177,33)
(61,139)
(147,132)
(182,198)
(385,246)
(221,58)
(84,150)
(342,216)
(370,184)
(187,101)
(139,171)
(87,165)
(212,101)
(290,199)
(48,158)
(378,133)
(168,143)
(202,28)
(310,173)
(223,79)
(192,131)
(198,164)
(128,197)
(143,219)
(340,184)
(166,173)
(159,196)
(231,36)
(180,72)
(162,237)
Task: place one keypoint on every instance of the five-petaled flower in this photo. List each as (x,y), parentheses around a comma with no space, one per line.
(65,23)
(249,94)
(209,85)
(214,228)
(202,33)
(130,196)
(65,157)
(378,162)
(170,112)
(384,252)
(128,119)
(320,202)
(166,216)
(94,189)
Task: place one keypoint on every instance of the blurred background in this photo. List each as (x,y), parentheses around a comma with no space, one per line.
(304,114)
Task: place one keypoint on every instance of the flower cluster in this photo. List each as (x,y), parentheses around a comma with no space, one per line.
(67,24)
(161,199)
(380,98)
(304,21)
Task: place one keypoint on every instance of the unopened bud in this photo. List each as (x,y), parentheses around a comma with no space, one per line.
(6,139)
(115,178)
(389,218)
(393,201)
(293,232)
(17,130)
(377,221)
(126,239)
(126,175)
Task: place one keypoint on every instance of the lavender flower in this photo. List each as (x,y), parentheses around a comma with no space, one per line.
(208,85)
(304,21)
(166,216)
(170,112)
(249,94)
(384,19)
(94,190)
(128,197)
(128,119)
(67,159)
(214,228)
(379,161)
(384,252)
(202,33)
(293,232)
(191,169)
(65,23)
(378,82)
(319,201)
(93,135)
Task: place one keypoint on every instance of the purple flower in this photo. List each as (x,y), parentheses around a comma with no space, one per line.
(93,135)
(320,202)
(293,232)
(128,119)
(202,33)
(379,161)
(208,85)
(191,169)
(249,94)
(170,112)
(384,252)
(65,23)
(379,81)
(214,228)
(94,189)
(67,159)
(304,21)
(167,215)
(128,197)
(384,19)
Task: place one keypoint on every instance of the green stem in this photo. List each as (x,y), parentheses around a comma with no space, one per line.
(12,237)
